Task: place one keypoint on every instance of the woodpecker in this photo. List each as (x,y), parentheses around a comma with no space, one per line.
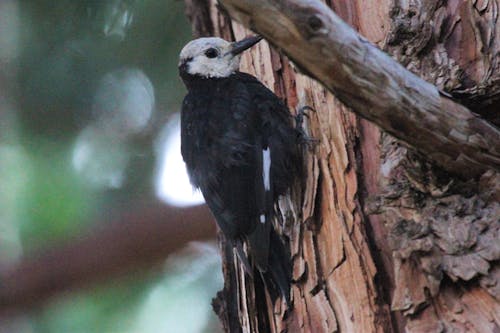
(241,150)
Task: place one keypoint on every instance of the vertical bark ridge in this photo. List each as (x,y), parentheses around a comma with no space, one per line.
(366,215)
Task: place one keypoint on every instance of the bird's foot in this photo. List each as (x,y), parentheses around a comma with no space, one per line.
(301,113)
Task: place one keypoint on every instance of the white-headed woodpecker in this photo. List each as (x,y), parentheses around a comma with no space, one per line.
(241,151)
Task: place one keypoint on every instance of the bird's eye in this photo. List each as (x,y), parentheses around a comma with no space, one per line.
(211,53)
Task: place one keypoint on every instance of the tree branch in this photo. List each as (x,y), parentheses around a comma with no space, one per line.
(131,242)
(373,84)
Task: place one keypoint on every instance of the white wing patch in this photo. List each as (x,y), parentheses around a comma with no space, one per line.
(266,167)
(262,218)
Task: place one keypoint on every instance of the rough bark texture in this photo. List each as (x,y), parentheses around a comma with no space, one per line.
(382,240)
(374,85)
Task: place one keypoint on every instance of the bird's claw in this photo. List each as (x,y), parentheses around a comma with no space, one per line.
(301,113)
(304,138)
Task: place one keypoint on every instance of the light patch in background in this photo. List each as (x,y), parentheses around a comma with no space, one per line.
(15,176)
(172,181)
(9,31)
(124,102)
(99,158)
(123,105)
(180,303)
(118,18)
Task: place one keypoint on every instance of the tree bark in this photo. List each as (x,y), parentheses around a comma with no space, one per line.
(374,85)
(383,238)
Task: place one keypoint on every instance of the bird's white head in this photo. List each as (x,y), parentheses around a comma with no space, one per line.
(213,57)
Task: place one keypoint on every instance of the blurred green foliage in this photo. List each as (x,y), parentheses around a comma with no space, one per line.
(53,55)
(65,52)
(55,203)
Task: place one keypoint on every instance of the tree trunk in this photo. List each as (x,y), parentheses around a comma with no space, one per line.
(381,238)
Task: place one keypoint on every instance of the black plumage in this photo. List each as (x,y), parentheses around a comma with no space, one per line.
(231,128)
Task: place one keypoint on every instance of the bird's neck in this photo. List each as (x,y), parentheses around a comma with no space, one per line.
(194,82)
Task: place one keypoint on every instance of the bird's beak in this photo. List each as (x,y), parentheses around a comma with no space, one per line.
(242,45)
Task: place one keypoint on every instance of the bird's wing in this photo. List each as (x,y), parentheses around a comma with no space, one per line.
(222,151)
(277,162)
(192,132)
(281,164)
(279,132)
(242,159)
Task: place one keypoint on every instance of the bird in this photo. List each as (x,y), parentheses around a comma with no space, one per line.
(242,150)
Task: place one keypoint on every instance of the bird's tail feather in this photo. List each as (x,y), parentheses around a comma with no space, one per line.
(280,267)
(260,242)
(276,275)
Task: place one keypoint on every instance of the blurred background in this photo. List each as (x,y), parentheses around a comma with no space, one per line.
(89,128)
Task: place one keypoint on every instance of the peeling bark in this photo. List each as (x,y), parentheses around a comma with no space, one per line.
(382,239)
(375,86)
(454,44)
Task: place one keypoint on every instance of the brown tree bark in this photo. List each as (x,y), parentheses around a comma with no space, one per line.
(383,236)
